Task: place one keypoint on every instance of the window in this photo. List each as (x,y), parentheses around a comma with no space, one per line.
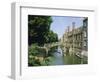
(85,34)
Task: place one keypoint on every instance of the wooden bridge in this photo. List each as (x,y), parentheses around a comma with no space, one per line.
(48,46)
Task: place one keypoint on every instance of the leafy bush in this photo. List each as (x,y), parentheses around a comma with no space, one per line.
(33,50)
(35,53)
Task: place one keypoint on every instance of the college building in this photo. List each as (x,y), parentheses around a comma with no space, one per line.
(75,39)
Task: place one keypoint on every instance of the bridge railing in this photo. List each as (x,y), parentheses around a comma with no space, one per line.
(49,45)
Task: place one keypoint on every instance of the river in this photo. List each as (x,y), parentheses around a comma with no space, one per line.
(59,59)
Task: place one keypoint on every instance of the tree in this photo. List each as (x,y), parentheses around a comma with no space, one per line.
(38,28)
(52,37)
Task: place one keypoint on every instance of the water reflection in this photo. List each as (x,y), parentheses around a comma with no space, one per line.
(60,59)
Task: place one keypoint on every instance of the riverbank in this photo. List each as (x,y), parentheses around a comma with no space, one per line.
(39,57)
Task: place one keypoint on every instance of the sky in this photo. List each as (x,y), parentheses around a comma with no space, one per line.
(60,23)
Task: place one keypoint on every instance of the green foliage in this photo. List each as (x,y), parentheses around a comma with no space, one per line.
(39,33)
(38,27)
(39,30)
(52,37)
(35,53)
(48,60)
(33,50)
(34,62)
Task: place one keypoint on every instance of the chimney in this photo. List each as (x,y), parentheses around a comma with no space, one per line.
(68,28)
(73,25)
